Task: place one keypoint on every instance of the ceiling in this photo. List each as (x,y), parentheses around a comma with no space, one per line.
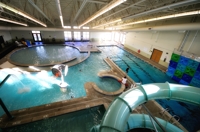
(75,12)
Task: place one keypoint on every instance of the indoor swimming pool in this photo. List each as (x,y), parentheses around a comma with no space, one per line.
(38,88)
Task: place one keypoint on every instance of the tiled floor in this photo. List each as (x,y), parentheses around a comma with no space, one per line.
(93,98)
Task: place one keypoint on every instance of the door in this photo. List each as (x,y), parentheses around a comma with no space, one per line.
(37,36)
(156,55)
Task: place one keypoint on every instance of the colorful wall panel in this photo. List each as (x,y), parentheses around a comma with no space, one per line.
(184,70)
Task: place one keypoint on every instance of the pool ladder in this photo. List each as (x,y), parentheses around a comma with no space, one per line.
(177,118)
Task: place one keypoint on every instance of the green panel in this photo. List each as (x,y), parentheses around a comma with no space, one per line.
(189,71)
(178,74)
(175,57)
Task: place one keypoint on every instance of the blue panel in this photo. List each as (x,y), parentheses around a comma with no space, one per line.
(176,79)
(173,64)
(186,78)
(193,64)
(183,60)
(195,82)
(181,67)
(197,75)
(183,82)
(170,71)
(198,68)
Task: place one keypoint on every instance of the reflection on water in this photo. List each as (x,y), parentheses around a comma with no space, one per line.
(44,55)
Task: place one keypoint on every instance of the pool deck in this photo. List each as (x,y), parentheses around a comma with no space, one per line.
(95,96)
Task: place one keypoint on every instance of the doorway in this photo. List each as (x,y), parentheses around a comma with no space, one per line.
(37,36)
(156,55)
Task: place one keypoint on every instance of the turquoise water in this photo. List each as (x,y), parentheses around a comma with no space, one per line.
(39,88)
(42,88)
(84,120)
(44,55)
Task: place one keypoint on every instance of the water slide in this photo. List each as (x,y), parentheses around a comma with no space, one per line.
(118,114)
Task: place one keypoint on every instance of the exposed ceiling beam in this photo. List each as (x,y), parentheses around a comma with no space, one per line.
(174,5)
(80,9)
(11,21)
(123,9)
(95,1)
(103,10)
(99,2)
(38,9)
(22,13)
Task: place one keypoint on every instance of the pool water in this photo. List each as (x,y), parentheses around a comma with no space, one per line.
(33,89)
(39,88)
(44,55)
(84,120)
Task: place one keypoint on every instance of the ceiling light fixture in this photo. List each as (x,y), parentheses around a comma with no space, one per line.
(11,21)
(22,14)
(61,20)
(163,17)
(106,8)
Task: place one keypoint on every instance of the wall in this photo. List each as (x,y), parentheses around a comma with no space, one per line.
(165,41)
(6,35)
(192,43)
(21,34)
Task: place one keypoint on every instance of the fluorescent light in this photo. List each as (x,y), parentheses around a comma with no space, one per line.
(106,8)
(162,17)
(186,13)
(61,19)
(118,20)
(165,17)
(22,14)
(152,19)
(15,22)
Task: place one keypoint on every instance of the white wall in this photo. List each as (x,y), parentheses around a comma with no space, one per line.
(192,44)
(6,35)
(21,34)
(165,41)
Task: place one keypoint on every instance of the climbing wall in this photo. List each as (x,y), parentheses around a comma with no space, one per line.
(184,70)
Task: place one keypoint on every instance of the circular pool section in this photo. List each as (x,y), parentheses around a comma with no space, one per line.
(43,55)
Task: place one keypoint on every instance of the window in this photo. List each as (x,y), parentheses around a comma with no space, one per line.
(76,27)
(77,36)
(68,35)
(117,36)
(37,36)
(67,26)
(106,36)
(85,35)
(122,38)
(85,27)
